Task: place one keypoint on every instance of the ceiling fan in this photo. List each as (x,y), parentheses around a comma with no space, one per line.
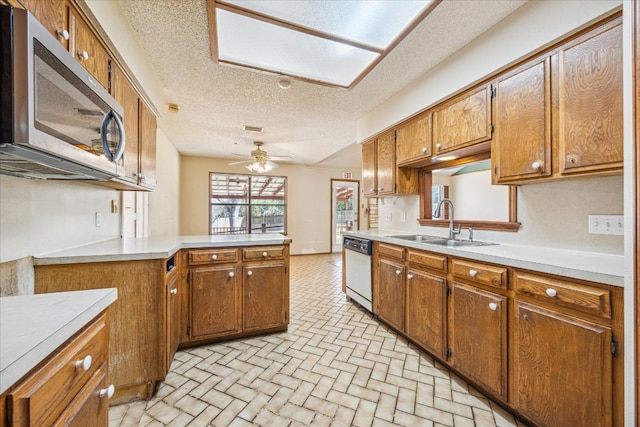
(259,162)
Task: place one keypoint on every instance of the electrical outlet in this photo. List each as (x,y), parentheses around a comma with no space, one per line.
(388,217)
(606,224)
(98,219)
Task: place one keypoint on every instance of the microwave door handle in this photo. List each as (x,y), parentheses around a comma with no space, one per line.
(113,156)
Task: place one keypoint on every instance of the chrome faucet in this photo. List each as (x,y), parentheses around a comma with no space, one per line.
(452,230)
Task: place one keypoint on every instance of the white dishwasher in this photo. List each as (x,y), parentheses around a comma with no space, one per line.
(358,267)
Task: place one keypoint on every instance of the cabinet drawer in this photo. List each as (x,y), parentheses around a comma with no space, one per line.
(42,397)
(429,260)
(269,252)
(483,274)
(391,251)
(575,296)
(212,256)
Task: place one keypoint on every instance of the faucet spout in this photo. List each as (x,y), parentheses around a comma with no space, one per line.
(437,213)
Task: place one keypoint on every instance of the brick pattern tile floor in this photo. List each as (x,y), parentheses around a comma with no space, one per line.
(335,366)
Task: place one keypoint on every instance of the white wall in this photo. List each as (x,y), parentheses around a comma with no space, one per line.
(38,216)
(309,200)
(164,202)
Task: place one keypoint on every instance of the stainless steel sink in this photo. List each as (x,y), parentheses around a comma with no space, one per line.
(441,241)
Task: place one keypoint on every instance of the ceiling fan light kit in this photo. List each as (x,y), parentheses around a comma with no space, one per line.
(260,162)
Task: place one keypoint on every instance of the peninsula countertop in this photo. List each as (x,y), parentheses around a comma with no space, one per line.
(34,326)
(131,249)
(595,267)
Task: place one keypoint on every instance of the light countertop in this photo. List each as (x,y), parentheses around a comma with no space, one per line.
(131,249)
(34,326)
(591,266)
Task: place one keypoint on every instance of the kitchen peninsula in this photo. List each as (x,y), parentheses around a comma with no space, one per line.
(175,292)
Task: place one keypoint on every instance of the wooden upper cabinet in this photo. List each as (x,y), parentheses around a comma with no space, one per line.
(369,184)
(148,133)
(53,15)
(522,142)
(87,49)
(464,121)
(590,101)
(413,139)
(386,162)
(127,96)
(555,355)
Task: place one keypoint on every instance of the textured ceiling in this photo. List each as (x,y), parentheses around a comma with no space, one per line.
(308,122)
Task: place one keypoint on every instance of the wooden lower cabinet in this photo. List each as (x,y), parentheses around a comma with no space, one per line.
(390,293)
(60,392)
(478,336)
(216,301)
(562,368)
(427,311)
(266,299)
(548,348)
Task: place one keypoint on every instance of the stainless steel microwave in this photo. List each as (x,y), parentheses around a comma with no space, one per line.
(56,120)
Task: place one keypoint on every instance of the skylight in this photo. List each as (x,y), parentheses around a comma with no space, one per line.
(334,43)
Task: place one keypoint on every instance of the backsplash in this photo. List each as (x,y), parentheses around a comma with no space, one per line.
(552,214)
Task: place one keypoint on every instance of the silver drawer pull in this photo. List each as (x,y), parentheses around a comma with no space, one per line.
(264,254)
(214,257)
(398,272)
(83,54)
(231,274)
(473,273)
(409,276)
(424,149)
(551,292)
(174,291)
(249,273)
(63,33)
(107,392)
(84,364)
(493,306)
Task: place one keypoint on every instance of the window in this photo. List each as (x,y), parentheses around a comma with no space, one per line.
(242,204)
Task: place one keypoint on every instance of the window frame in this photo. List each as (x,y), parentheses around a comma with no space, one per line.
(249,204)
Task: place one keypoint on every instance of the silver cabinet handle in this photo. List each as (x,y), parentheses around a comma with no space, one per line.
(83,54)
(473,273)
(85,363)
(398,272)
(424,150)
(214,257)
(264,254)
(108,392)
(409,276)
(536,165)
(493,306)
(174,291)
(551,292)
(231,274)
(438,146)
(249,273)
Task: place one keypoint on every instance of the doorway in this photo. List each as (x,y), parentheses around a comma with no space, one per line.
(344,210)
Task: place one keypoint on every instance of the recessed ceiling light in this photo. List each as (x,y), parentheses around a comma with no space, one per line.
(252,128)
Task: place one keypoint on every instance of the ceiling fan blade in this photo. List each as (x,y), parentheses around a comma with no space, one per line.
(242,155)
(280,158)
(240,162)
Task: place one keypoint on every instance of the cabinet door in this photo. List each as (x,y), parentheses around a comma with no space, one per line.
(427,310)
(386,158)
(126,95)
(216,302)
(148,131)
(590,101)
(522,141)
(53,15)
(266,303)
(413,139)
(369,183)
(87,49)
(174,318)
(88,408)
(478,336)
(465,121)
(562,368)
(390,298)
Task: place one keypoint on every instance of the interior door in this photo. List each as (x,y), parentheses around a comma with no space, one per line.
(344,210)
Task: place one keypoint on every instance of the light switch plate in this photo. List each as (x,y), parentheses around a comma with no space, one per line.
(606,224)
